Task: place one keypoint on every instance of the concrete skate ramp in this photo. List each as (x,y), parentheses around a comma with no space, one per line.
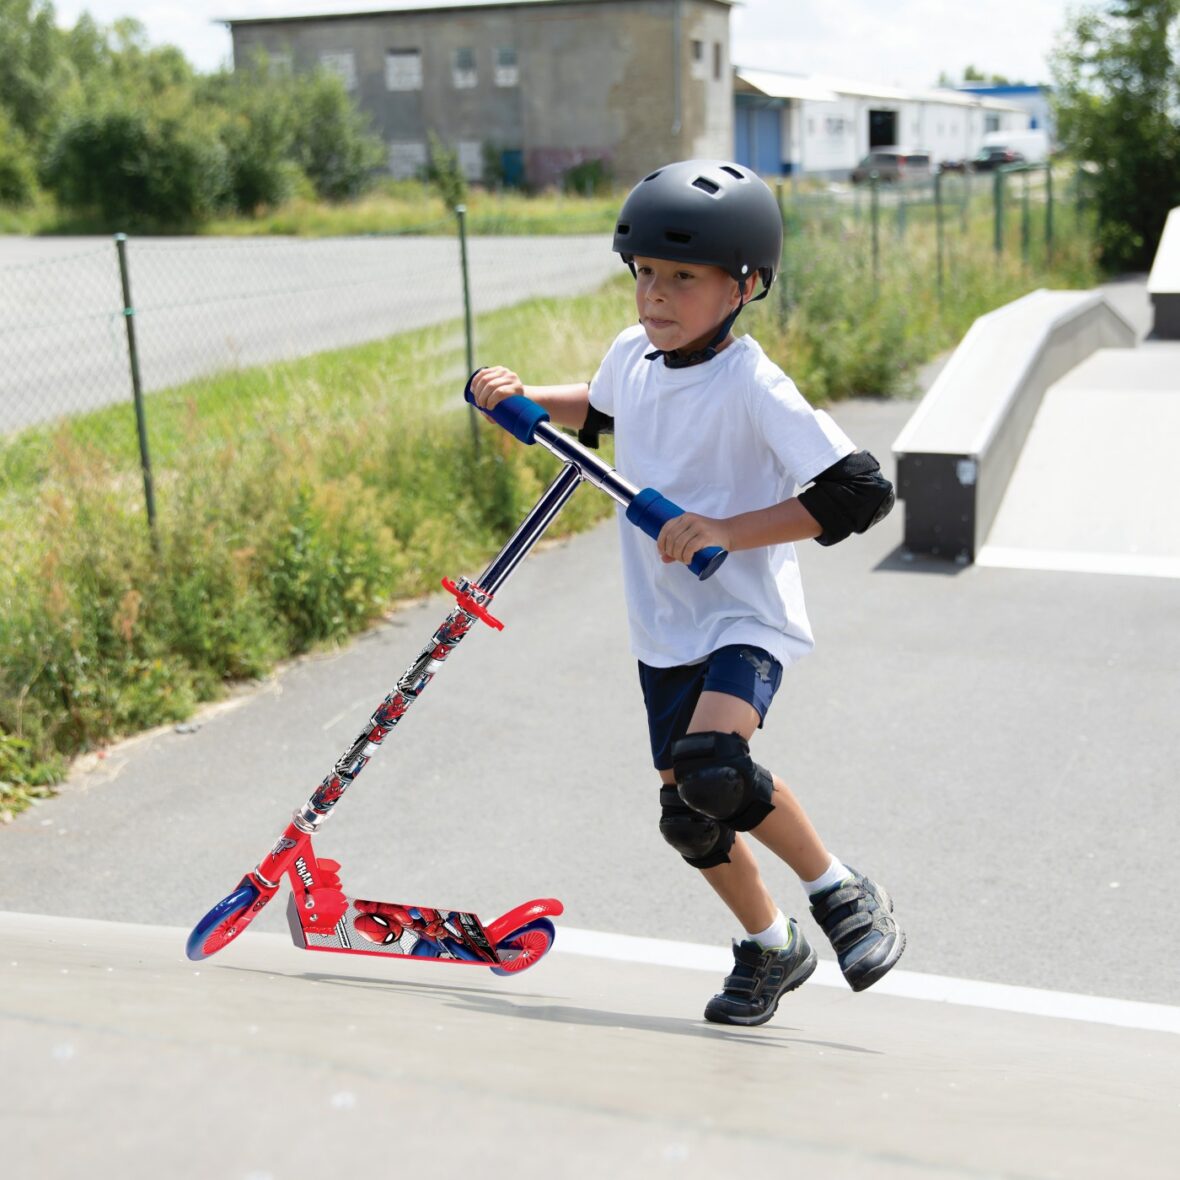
(1093,490)
(122,1059)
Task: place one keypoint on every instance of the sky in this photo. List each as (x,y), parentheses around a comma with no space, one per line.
(897,42)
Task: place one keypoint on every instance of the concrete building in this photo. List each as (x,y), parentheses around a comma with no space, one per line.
(818,126)
(524,89)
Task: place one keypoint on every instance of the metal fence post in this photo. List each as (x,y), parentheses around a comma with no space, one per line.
(472,413)
(1025,223)
(998,198)
(876,216)
(145,460)
(1048,213)
(938,228)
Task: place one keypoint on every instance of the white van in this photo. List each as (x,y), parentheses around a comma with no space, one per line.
(1032,144)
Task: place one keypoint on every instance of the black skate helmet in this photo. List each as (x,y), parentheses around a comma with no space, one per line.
(705,212)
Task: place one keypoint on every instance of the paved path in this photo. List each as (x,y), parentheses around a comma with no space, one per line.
(123,1061)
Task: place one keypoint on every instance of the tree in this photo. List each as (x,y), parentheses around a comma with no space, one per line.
(18,176)
(259,130)
(30,64)
(1117,102)
(334,146)
(971,74)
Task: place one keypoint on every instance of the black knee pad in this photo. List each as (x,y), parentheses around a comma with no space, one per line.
(716,776)
(702,841)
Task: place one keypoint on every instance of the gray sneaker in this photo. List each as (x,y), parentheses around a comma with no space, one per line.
(751,992)
(857,917)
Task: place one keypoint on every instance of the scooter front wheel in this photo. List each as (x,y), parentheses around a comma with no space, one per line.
(525,947)
(222,924)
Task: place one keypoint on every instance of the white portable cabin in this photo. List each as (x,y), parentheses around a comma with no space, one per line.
(822,126)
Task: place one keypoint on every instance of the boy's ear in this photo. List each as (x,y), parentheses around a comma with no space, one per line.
(746,287)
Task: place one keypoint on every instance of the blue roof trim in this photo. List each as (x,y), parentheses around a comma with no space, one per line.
(1020,88)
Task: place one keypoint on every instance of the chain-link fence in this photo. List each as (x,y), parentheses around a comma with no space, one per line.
(1019,201)
(142,347)
(198,330)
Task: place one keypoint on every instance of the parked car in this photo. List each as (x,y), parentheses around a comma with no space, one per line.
(945,166)
(989,159)
(1032,142)
(891,165)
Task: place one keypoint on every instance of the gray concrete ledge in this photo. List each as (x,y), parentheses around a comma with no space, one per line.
(955,454)
(1163,284)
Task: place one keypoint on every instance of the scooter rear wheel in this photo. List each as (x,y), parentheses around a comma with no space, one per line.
(526,946)
(221,925)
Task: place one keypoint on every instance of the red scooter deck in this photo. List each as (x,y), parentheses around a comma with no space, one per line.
(395,930)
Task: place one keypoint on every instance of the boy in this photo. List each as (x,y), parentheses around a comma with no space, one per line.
(719,429)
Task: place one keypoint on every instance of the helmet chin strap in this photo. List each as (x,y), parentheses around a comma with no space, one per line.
(675,359)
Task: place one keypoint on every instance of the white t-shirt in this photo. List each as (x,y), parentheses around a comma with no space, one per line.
(728,436)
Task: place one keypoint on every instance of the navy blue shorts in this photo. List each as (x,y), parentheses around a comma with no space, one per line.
(671,694)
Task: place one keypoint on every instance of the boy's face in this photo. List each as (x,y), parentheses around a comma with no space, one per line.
(680,304)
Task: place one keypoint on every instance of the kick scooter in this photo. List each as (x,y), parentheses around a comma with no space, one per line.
(321,916)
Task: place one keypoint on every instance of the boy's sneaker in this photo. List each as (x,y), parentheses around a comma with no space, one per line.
(857,917)
(752,991)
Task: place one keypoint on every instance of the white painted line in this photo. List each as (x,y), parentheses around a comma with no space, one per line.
(1068,561)
(910,985)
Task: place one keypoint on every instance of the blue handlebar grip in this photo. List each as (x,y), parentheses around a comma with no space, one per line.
(519,415)
(649,511)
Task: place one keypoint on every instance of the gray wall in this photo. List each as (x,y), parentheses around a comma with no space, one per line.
(599,79)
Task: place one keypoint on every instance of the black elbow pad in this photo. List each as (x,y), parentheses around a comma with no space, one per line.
(849,497)
(597,423)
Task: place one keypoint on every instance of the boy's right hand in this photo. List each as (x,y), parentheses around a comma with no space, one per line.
(490,386)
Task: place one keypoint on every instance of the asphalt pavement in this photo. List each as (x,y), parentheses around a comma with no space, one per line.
(997,746)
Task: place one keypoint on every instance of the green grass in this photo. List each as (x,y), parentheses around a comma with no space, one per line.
(393,207)
(298,501)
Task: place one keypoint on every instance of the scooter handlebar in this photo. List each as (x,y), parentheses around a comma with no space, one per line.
(519,415)
(648,510)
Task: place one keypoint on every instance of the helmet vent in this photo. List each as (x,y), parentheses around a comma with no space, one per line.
(706,185)
(652,176)
(732,171)
(681,239)
(623,228)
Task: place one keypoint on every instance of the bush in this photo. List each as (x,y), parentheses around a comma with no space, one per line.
(443,173)
(589,178)
(135,166)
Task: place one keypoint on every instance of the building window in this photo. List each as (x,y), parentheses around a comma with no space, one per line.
(700,68)
(991,122)
(718,60)
(403,69)
(507,70)
(470,154)
(407,159)
(463,73)
(343,65)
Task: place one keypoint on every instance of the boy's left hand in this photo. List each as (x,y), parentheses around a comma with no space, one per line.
(685,535)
